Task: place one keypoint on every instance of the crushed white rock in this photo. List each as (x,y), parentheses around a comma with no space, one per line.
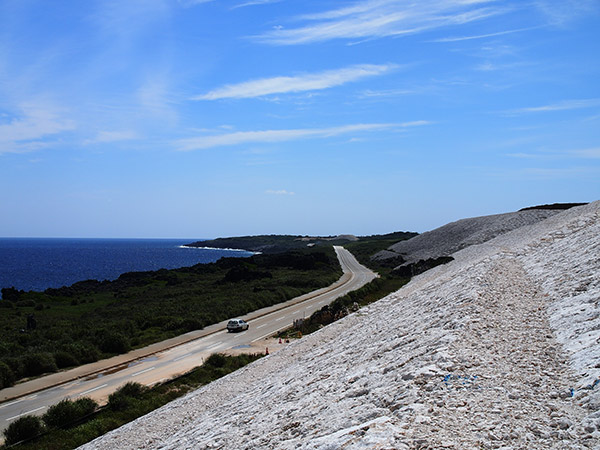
(497,349)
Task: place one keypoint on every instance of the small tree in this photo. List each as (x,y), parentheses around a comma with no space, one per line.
(67,412)
(114,342)
(26,427)
(216,360)
(39,363)
(125,396)
(7,376)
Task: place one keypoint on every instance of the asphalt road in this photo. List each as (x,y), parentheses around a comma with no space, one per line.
(172,360)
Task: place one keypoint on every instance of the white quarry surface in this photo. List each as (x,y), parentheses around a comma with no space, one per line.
(497,349)
(455,236)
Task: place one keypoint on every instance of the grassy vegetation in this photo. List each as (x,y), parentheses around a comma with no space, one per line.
(70,425)
(42,332)
(367,246)
(341,307)
(388,282)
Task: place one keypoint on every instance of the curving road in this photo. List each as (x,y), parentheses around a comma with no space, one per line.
(165,360)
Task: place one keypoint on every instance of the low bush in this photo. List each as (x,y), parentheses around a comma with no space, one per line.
(26,427)
(7,376)
(65,359)
(114,342)
(39,363)
(26,303)
(124,397)
(67,412)
(216,360)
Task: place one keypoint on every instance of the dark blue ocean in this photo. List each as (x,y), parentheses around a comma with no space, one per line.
(38,264)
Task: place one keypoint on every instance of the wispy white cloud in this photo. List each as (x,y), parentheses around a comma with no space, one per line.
(482,36)
(253,3)
(573,154)
(113,136)
(299,83)
(279,192)
(270,136)
(559,106)
(588,153)
(386,93)
(188,3)
(380,18)
(561,13)
(124,20)
(33,128)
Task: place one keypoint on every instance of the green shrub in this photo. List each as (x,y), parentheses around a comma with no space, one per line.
(84,352)
(26,303)
(132,389)
(114,342)
(67,412)
(216,360)
(65,359)
(125,396)
(16,365)
(26,427)
(39,363)
(7,376)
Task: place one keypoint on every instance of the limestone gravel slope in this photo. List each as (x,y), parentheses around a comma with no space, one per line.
(497,349)
(455,236)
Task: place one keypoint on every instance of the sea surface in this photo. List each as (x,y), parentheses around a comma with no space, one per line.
(38,264)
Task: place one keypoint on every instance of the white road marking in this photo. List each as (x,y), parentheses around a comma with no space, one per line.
(92,390)
(143,371)
(260,326)
(281,318)
(11,403)
(213,346)
(179,358)
(25,413)
(270,333)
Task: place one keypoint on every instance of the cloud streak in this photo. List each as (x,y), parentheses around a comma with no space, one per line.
(369,19)
(271,136)
(32,129)
(279,192)
(586,153)
(564,105)
(483,36)
(112,136)
(300,83)
(255,3)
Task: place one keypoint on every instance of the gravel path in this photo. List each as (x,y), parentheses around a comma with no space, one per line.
(497,349)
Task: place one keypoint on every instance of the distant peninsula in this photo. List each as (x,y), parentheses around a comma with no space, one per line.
(269,244)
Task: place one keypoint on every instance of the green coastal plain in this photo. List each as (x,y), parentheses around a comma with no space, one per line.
(44,332)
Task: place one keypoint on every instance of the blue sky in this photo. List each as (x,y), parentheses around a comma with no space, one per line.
(190,118)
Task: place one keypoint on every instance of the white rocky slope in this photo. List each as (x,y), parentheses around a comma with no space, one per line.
(497,349)
(455,236)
